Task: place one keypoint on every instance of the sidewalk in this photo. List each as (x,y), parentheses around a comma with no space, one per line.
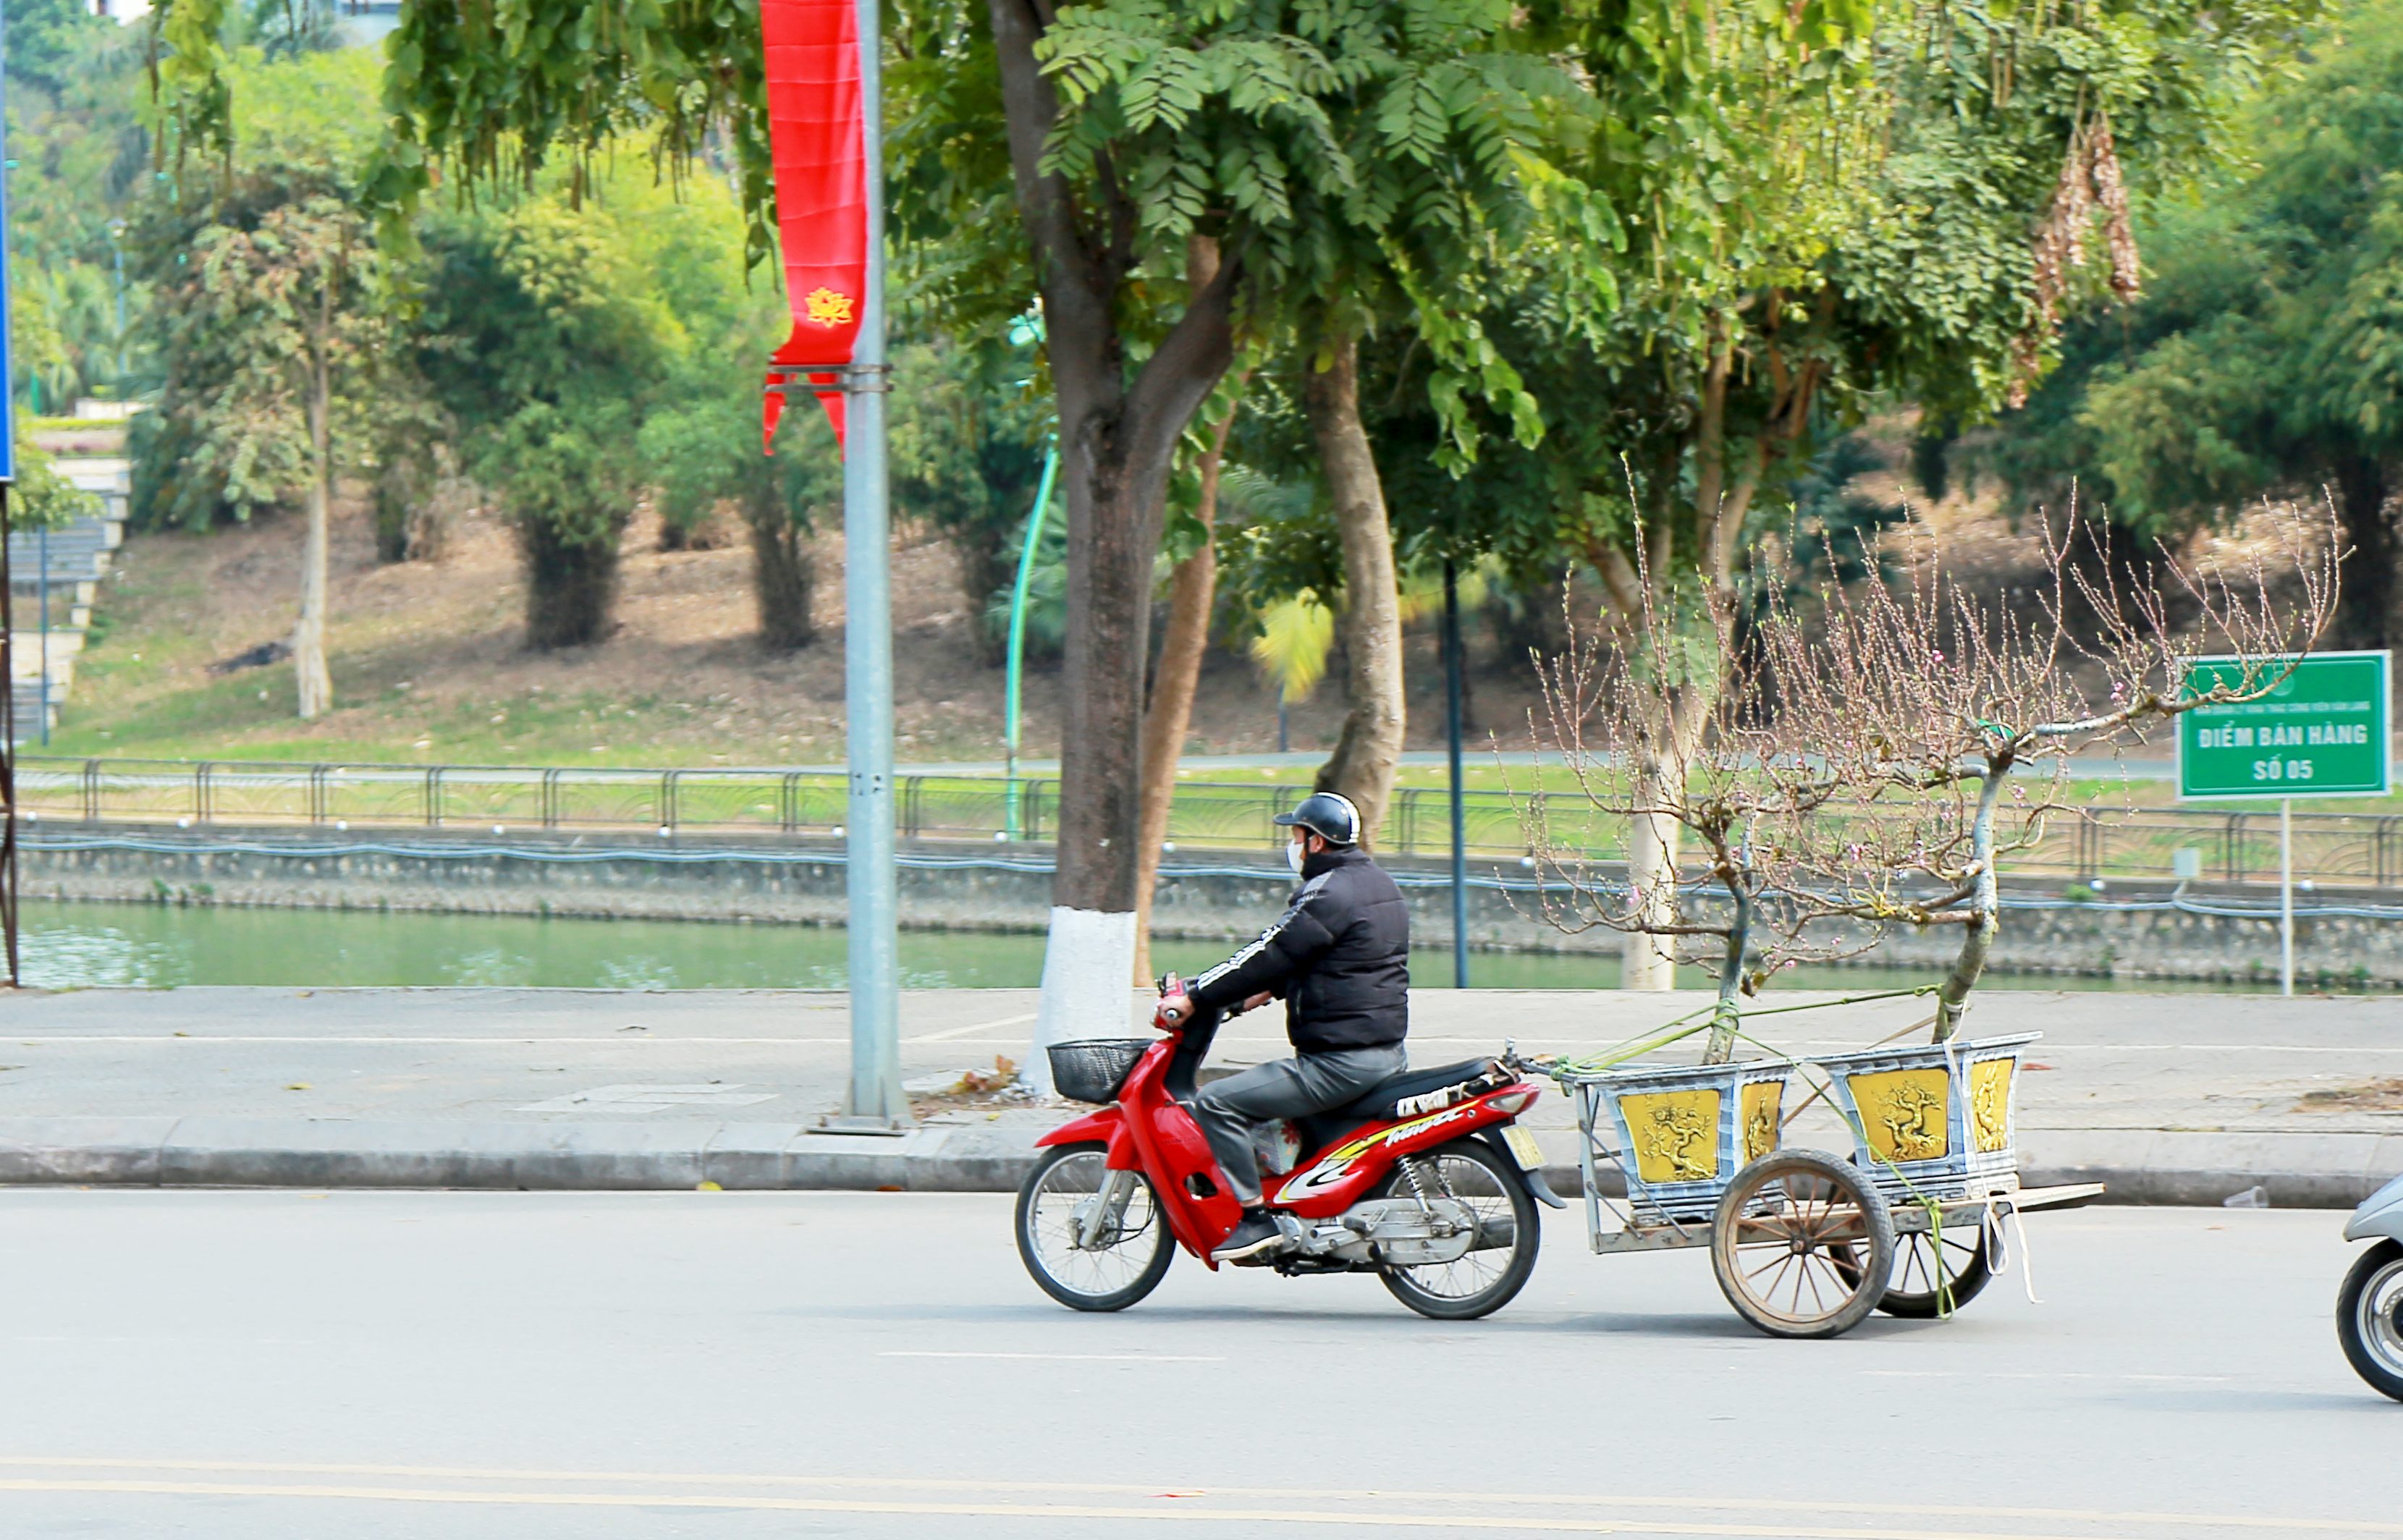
(2175,1098)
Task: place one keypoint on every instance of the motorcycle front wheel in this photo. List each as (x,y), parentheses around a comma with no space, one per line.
(1490,1275)
(2369,1317)
(1131,1252)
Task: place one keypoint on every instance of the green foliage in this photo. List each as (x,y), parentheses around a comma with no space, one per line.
(226,262)
(1276,541)
(1363,162)
(49,39)
(967,436)
(1047,600)
(498,94)
(703,448)
(80,159)
(1758,227)
(2268,355)
(548,335)
(1295,637)
(1836,527)
(251,295)
(571,475)
(41,498)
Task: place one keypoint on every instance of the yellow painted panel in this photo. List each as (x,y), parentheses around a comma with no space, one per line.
(1990,1104)
(1677,1135)
(1760,1102)
(1905,1113)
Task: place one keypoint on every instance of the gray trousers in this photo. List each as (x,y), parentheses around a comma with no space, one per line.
(1283,1088)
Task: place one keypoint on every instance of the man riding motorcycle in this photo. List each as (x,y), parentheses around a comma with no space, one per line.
(1339,958)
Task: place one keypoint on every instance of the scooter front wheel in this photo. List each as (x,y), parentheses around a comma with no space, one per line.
(2369,1317)
(1093,1239)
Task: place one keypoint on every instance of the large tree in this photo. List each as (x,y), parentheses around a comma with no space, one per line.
(272,321)
(1792,216)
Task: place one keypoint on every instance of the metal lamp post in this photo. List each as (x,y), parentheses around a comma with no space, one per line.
(874,892)
(1452,664)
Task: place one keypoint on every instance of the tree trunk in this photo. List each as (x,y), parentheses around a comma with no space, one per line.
(401,488)
(783,576)
(1648,961)
(1117,439)
(988,560)
(1977,939)
(1370,750)
(1190,593)
(569,585)
(2367,587)
(316,687)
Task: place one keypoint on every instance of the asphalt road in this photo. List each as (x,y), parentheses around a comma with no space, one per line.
(372,1365)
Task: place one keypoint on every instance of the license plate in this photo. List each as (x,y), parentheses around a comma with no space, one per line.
(1522,1144)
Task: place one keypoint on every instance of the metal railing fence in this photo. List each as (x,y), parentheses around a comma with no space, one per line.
(2335,848)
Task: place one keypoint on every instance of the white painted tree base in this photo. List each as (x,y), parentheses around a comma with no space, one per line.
(1088,966)
(1645,962)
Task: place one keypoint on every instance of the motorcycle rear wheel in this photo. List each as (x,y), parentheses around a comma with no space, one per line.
(1131,1261)
(1483,1280)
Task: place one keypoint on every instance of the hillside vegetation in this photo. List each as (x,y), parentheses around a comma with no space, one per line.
(430,664)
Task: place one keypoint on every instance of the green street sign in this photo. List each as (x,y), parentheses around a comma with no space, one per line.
(2322,733)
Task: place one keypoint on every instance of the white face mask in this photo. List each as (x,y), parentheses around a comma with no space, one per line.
(1294,855)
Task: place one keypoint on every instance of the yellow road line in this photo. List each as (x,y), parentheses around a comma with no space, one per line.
(1455,1521)
(1456,1499)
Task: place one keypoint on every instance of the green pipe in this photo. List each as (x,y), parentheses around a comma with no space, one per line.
(1018,634)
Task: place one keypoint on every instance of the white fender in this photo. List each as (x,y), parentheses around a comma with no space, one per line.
(2380,1214)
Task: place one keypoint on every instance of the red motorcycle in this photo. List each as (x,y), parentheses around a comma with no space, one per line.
(1426,1180)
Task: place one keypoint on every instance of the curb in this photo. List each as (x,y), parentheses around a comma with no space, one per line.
(252,1152)
(2174,1167)
(2204,1167)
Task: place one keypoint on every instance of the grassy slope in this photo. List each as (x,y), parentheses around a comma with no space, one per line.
(429,665)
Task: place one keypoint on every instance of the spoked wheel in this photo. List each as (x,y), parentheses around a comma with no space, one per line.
(1802,1244)
(2369,1317)
(1922,1262)
(1130,1250)
(1496,1266)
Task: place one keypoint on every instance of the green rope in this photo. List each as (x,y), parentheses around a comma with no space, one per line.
(1675,1030)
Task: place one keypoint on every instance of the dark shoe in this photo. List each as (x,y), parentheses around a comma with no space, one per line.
(1256,1237)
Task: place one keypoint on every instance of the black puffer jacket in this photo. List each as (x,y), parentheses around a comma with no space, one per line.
(1339,956)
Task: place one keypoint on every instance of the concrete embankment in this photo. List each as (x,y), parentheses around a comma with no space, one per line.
(2351,939)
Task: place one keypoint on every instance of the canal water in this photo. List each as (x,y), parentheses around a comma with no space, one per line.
(160,946)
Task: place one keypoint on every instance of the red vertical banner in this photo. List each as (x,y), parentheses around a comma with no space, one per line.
(815,140)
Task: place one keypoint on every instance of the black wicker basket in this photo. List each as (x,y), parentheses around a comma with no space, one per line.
(1094,1071)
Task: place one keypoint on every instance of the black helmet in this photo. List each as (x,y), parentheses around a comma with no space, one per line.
(1326,813)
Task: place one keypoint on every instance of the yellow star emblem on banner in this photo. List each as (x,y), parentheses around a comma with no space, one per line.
(827,308)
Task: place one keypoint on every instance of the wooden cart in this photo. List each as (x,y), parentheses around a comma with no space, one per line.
(1805,1243)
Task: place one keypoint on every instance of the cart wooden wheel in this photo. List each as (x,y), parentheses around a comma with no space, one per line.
(1802,1244)
(1911,1292)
